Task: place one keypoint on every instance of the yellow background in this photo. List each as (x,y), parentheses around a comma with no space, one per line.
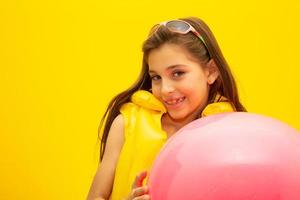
(61,61)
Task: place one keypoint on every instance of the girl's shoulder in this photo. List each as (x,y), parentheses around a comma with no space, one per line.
(220,105)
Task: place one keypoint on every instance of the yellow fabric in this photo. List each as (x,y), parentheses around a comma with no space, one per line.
(220,105)
(144,138)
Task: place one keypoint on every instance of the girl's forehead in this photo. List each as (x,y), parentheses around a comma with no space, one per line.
(169,68)
(169,56)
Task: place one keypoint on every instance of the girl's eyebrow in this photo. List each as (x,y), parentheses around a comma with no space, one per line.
(170,67)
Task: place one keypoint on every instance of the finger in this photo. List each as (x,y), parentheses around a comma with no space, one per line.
(140,191)
(139,179)
(143,197)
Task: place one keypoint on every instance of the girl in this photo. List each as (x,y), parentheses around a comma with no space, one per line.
(184,76)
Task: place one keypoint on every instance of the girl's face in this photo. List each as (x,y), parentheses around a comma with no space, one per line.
(179,81)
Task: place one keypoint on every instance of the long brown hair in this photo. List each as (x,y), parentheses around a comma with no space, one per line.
(159,35)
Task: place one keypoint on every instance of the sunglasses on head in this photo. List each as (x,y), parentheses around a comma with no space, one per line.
(183,27)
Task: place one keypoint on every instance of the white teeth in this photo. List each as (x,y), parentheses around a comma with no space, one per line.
(175,101)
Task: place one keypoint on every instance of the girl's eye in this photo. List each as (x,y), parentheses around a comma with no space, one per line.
(155,78)
(178,73)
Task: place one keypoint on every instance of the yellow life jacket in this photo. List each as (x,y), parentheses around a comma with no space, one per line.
(144,137)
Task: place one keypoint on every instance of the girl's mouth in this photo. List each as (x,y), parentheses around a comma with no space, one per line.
(174,102)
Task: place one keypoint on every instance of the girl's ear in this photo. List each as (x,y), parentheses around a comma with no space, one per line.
(212,71)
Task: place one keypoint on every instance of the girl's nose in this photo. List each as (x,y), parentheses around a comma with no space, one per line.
(167,88)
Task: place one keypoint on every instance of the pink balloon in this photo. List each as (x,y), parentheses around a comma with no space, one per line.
(232,156)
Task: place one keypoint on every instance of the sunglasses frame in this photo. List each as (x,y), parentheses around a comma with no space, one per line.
(190,29)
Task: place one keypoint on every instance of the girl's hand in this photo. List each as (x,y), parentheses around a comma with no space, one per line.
(139,192)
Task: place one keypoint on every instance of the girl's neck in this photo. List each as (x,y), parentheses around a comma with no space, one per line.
(171,125)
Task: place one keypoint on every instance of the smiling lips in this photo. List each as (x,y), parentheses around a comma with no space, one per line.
(174,102)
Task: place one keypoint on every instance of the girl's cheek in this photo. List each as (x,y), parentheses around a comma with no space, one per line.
(155,91)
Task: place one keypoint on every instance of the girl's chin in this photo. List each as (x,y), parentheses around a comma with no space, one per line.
(177,116)
(182,116)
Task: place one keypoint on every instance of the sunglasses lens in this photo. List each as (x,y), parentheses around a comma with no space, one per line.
(178,26)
